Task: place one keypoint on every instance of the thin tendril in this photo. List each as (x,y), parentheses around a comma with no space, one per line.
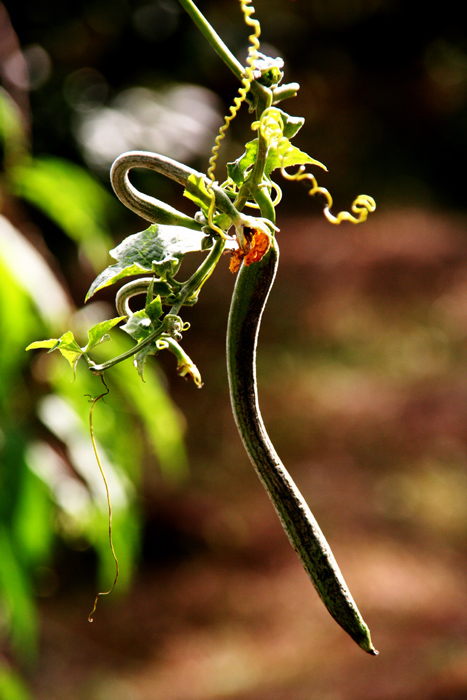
(361,206)
(93,440)
(274,186)
(247,79)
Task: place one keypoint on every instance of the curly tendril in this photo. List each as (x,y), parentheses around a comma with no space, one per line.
(274,186)
(247,78)
(361,206)
(271,127)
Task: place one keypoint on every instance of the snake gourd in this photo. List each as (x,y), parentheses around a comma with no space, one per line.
(248,302)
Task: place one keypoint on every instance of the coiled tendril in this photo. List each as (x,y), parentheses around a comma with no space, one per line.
(361,206)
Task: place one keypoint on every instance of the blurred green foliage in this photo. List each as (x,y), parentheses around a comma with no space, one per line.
(50,486)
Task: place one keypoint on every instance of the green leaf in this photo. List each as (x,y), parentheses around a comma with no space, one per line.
(282,155)
(154,309)
(196,191)
(99,333)
(236,170)
(139,325)
(138,253)
(67,345)
(286,155)
(112,274)
(292,125)
(40,344)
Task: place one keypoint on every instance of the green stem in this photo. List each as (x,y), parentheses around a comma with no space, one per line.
(202,274)
(98,369)
(218,45)
(263,200)
(250,188)
(213,38)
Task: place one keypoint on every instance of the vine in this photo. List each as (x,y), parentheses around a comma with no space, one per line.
(107,493)
(153,258)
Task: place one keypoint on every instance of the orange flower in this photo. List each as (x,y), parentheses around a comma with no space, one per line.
(259,246)
(256,246)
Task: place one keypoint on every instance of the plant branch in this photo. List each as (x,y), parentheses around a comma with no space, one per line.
(213,37)
(218,45)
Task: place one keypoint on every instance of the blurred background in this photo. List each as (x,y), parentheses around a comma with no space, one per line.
(362,363)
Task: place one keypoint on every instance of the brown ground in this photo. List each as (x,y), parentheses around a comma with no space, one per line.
(363,384)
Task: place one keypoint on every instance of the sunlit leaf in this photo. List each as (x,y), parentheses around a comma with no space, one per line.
(138,253)
(43,344)
(99,333)
(286,155)
(66,344)
(197,192)
(292,125)
(282,155)
(112,274)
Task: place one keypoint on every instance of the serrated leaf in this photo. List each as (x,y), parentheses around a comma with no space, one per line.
(99,333)
(112,274)
(141,251)
(284,154)
(139,326)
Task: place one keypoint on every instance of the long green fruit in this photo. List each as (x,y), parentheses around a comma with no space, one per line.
(251,292)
